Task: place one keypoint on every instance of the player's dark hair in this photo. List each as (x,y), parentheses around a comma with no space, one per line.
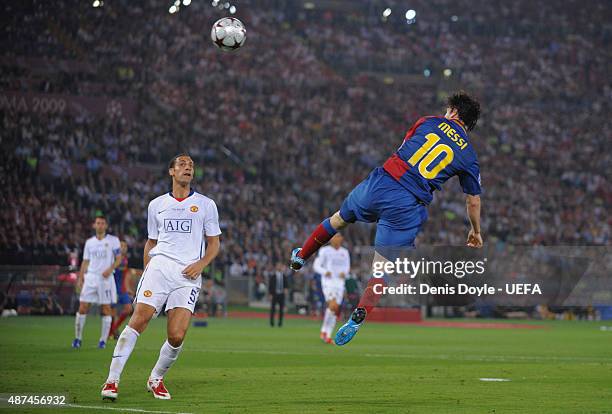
(100,216)
(467,107)
(173,160)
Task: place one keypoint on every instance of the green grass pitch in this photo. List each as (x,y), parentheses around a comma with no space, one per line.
(244,366)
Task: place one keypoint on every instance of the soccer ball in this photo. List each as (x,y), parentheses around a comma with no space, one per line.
(228,34)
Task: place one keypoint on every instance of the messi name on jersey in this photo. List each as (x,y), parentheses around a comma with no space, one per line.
(177,225)
(453,135)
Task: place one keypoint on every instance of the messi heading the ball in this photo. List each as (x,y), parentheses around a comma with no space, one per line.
(396,195)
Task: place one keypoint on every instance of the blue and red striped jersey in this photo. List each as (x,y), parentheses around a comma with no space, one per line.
(434,150)
(119,275)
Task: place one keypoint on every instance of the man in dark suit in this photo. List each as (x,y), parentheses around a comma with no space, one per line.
(277,288)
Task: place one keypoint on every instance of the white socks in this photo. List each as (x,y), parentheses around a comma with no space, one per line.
(106,325)
(125,345)
(325,321)
(79,323)
(332,323)
(329,322)
(123,349)
(167,356)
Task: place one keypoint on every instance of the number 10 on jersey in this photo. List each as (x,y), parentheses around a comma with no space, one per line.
(428,153)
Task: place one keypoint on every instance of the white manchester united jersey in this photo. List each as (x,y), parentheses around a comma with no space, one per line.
(101,253)
(181,227)
(335,261)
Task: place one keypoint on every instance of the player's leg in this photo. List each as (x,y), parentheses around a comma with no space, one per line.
(151,295)
(319,237)
(329,300)
(369,299)
(89,294)
(126,311)
(330,318)
(358,206)
(124,347)
(390,242)
(79,324)
(272,308)
(323,334)
(340,293)
(107,320)
(114,316)
(180,306)
(122,310)
(371,294)
(178,323)
(401,219)
(281,309)
(107,297)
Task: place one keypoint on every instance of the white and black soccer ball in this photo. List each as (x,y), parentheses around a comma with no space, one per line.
(228,34)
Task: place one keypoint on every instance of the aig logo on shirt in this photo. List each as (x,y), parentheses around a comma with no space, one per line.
(177,225)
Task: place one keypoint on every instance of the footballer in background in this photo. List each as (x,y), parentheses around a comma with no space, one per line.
(333,263)
(101,256)
(396,195)
(124,277)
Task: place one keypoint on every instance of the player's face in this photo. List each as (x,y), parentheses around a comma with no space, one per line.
(124,248)
(100,225)
(183,169)
(337,240)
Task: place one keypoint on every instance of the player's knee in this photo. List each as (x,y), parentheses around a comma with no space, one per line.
(337,221)
(138,324)
(176,338)
(333,306)
(105,310)
(83,308)
(139,320)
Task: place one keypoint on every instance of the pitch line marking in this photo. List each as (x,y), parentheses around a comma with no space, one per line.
(494,379)
(98,407)
(132,410)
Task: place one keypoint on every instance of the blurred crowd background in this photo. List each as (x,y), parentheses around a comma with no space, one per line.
(94,101)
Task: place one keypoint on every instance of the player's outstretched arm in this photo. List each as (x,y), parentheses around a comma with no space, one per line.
(472,203)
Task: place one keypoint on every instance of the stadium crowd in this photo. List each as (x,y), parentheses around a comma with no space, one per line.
(285,127)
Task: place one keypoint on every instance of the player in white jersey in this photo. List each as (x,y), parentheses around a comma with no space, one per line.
(183,239)
(333,263)
(101,255)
